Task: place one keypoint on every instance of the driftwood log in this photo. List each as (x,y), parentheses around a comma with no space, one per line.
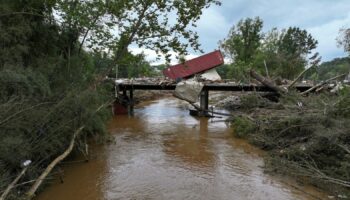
(31,192)
(267,82)
(299,76)
(322,83)
(12,185)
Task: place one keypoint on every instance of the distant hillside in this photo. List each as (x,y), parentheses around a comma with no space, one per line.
(332,68)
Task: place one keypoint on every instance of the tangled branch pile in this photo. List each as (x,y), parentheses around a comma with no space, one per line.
(306,137)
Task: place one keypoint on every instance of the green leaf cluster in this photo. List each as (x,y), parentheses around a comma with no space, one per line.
(284,53)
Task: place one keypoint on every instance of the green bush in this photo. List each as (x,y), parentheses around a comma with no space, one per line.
(342,106)
(243,126)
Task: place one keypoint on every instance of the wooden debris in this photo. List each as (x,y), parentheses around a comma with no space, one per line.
(299,76)
(31,192)
(267,82)
(12,185)
(322,83)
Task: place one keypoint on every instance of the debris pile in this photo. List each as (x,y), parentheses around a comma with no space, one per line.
(231,102)
(192,74)
(306,135)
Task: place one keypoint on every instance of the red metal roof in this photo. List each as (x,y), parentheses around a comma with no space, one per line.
(194,66)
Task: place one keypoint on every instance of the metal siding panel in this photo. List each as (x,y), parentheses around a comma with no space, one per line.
(194,66)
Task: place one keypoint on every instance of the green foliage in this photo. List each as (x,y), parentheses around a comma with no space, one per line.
(330,69)
(22,83)
(243,126)
(147,26)
(45,92)
(284,52)
(243,40)
(135,66)
(253,101)
(294,45)
(310,141)
(342,106)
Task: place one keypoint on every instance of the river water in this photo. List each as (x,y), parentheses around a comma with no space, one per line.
(163,153)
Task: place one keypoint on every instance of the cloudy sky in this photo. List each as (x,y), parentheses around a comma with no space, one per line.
(321,18)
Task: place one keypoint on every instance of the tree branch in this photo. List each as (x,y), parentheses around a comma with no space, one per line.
(12,185)
(268,83)
(299,76)
(322,83)
(33,189)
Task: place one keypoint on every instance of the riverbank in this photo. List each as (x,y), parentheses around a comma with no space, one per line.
(304,137)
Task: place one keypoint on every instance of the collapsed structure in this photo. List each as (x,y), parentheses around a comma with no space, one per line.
(193,79)
(190,76)
(200,65)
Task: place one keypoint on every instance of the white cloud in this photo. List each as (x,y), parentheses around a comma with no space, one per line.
(326,35)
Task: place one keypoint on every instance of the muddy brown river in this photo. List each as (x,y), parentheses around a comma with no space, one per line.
(163,153)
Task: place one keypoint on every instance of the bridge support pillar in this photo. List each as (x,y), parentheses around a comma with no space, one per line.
(131,102)
(204,102)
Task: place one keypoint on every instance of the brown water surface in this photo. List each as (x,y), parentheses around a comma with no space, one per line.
(163,153)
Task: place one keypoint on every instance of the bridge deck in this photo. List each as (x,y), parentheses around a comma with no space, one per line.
(208,86)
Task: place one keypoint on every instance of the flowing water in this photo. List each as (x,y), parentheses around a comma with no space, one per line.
(163,153)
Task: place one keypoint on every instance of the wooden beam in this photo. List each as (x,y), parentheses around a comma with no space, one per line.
(209,87)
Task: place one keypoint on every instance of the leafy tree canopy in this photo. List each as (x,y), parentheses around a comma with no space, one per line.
(161,25)
(243,40)
(284,53)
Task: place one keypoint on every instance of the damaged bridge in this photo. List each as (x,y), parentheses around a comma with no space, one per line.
(191,80)
(127,89)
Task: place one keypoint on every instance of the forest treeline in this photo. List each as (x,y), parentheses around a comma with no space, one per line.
(323,71)
(277,53)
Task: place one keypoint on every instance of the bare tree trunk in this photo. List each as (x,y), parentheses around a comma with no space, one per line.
(31,192)
(9,187)
(268,83)
(299,76)
(266,70)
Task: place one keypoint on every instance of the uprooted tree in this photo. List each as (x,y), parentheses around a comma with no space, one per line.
(306,135)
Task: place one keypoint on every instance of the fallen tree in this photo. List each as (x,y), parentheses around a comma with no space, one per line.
(31,192)
(306,136)
(267,82)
